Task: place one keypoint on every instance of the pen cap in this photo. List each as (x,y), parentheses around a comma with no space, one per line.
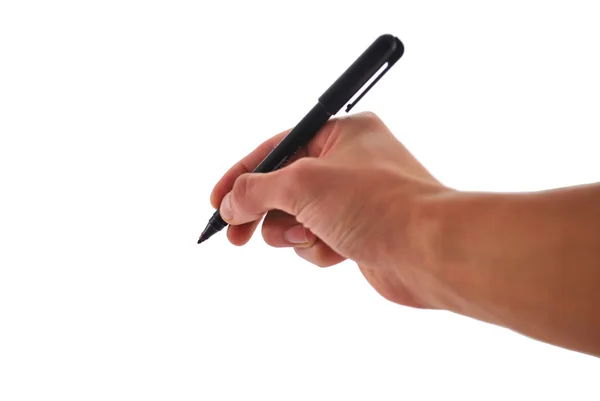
(385,49)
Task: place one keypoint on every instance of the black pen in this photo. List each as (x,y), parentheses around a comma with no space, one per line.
(385,50)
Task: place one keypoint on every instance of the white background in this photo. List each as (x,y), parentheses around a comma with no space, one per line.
(117,118)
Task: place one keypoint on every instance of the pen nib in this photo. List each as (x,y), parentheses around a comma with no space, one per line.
(208,232)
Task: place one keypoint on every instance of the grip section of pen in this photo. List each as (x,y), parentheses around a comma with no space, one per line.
(297,138)
(217,222)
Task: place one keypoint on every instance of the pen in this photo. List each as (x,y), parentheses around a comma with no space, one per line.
(384,51)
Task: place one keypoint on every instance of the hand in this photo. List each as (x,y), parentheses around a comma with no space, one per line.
(353,193)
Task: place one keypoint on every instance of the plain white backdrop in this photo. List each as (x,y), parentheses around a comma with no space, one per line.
(118,117)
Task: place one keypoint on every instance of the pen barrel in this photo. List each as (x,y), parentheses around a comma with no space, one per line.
(296,139)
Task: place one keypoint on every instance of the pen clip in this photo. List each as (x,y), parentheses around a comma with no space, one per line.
(387,65)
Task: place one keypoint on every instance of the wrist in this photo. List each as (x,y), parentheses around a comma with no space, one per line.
(447,248)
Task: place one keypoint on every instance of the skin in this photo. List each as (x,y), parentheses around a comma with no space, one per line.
(529,262)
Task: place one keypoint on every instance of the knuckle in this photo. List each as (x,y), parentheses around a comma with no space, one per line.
(369,117)
(361,122)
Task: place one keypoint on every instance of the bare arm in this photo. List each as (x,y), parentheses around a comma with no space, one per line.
(529,262)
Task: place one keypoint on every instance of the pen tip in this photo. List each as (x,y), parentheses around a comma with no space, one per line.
(208,232)
(203,237)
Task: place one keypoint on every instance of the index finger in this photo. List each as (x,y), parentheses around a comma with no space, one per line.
(246,165)
(253,159)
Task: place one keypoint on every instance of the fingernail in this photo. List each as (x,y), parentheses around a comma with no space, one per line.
(225,209)
(296,234)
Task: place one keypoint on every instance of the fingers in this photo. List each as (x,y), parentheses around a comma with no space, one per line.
(289,189)
(320,254)
(240,235)
(283,230)
(246,165)
(253,159)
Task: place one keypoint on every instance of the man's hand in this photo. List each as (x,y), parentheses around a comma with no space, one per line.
(353,193)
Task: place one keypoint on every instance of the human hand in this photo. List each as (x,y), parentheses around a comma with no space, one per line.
(353,193)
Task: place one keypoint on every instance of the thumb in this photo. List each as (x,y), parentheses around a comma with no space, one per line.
(289,189)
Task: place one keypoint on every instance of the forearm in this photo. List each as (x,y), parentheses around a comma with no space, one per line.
(529,262)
